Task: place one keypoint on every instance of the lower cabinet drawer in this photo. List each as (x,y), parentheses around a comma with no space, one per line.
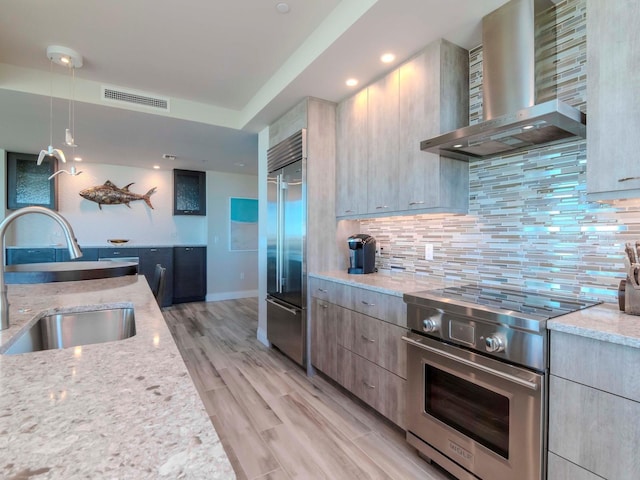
(374,385)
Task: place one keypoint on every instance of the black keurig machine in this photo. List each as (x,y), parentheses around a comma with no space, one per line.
(362,253)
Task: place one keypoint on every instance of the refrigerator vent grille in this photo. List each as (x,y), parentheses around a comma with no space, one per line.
(287,151)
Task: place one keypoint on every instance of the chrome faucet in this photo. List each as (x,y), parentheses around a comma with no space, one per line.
(72,244)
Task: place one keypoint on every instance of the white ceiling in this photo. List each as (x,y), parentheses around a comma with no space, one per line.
(229,67)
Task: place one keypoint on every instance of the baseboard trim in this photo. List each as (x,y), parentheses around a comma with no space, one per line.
(217,297)
(262,337)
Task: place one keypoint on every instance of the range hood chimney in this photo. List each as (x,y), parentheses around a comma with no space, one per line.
(513,121)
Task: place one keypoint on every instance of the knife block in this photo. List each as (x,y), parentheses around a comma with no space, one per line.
(631,299)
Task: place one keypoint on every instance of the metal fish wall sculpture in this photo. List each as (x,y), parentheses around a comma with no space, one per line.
(109,194)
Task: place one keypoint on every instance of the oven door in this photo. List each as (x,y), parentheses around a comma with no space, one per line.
(470,413)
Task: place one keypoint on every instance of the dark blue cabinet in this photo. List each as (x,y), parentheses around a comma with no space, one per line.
(17,256)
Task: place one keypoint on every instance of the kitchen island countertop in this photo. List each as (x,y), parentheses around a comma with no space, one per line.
(125,409)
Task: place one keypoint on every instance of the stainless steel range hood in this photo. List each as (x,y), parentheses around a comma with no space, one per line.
(513,121)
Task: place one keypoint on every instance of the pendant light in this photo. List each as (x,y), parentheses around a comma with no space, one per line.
(71,59)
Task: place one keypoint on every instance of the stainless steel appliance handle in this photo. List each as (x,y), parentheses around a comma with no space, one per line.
(288,309)
(469,363)
(279,234)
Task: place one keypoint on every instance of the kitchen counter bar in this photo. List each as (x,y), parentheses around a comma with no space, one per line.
(603,322)
(125,409)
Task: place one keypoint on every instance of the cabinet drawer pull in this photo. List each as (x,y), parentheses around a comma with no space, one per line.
(381,207)
(188,249)
(324,305)
(348,211)
(323,290)
(153,250)
(626,179)
(368,385)
(417,203)
(367,339)
(368,304)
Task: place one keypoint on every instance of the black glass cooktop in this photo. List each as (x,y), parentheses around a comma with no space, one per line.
(540,305)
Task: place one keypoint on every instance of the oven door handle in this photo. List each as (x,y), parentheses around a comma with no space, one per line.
(455,358)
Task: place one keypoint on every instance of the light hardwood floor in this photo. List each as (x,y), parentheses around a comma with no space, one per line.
(275,422)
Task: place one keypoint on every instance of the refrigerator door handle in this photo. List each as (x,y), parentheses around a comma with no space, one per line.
(278,304)
(279,232)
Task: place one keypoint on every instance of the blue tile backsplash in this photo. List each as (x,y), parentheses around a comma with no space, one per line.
(529,224)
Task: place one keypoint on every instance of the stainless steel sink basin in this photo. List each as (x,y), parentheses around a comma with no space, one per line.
(63,330)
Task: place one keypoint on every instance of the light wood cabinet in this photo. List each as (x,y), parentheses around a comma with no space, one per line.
(351,155)
(613,56)
(382,136)
(594,408)
(363,353)
(433,99)
(380,128)
(324,332)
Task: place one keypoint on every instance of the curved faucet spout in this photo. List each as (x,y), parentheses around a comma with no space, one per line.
(72,245)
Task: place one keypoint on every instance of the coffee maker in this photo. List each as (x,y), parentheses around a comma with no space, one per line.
(362,253)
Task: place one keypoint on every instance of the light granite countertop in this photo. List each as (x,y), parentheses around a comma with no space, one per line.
(390,283)
(602,322)
(125,410)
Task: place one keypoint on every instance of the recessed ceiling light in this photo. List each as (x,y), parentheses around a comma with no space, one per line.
(387,58)
(282,7)
(457,145)
(77,159)
(352,82)
(527,127)
(157,167)
(239,164)
(168,156)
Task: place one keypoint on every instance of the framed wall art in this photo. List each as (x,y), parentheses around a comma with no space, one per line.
(243,224)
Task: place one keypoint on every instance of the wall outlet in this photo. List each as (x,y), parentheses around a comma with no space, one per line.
(428,251)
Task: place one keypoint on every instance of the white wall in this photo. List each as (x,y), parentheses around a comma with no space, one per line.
(230,274)
(263,145)
(93,226)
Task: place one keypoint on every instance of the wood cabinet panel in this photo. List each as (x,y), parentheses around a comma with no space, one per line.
(351,155)
(16,256)
(382,137)
(568,360)
(392,397)
(561,469)
(149,258)
(433,100)
(189,274)
(324,337)
(613,56)
(594,429)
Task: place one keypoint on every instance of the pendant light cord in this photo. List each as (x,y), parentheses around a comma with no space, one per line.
(51,101)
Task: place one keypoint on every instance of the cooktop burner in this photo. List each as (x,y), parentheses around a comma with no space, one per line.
(535,304)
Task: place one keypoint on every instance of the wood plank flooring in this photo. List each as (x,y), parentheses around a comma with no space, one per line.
(275,422)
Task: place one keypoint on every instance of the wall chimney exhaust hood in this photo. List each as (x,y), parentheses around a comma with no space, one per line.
(513,121)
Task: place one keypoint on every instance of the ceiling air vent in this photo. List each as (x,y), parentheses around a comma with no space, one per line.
(124,97)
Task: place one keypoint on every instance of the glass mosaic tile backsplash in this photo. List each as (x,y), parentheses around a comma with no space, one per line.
(529,224)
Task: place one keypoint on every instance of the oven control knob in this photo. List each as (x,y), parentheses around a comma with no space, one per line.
(430,325)
(494,343)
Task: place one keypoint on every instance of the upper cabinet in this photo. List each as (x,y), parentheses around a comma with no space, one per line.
(613,123)
(382,137)
(351,154)
(381,170)
(434,99)
(189,192)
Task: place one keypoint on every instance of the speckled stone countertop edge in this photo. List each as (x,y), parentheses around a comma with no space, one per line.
(604,322)
(125,409)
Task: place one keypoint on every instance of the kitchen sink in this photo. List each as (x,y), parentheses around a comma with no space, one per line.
(72,329)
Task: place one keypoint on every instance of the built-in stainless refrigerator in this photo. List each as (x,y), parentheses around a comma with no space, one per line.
(286,247)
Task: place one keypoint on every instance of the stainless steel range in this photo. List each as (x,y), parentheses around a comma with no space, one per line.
(477,376)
